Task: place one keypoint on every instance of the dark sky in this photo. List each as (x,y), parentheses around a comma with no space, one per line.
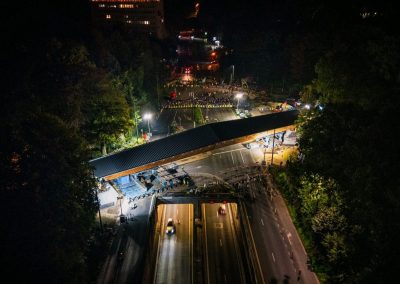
(232,16)
(71,17)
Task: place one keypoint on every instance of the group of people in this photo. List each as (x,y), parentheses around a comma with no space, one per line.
(203,100)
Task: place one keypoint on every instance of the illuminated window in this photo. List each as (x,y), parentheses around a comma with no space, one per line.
(102,5)
(127,6)
(108,16)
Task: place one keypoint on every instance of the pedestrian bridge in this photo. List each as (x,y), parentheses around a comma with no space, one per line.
(191,142)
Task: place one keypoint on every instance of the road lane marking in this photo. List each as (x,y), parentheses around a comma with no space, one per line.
(273,257)
(230,151)
(235,244)
(289,235)
(205,237)
(233,161)
(241,155)
(262,222)
(254,245)
(219,225)
(191,244)
(220,242)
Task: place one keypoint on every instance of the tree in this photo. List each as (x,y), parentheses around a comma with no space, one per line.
(106,111)
(48,200)
(198,115)
(56,79)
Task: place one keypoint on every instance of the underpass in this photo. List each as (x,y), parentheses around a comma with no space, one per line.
(221,258)
(224,258)
(175,250)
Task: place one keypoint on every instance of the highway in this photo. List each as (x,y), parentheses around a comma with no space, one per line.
(279,252)
(224,158)
(175,251)
(222,250)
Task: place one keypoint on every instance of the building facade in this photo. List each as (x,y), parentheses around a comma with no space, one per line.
(142,16)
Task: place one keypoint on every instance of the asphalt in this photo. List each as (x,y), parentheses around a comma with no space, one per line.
(223,261)
(175,251)
(131,239)
(279,252)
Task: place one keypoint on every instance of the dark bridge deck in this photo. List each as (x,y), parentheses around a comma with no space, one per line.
(189,143)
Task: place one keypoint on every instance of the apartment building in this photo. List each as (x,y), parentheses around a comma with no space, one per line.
(142,16)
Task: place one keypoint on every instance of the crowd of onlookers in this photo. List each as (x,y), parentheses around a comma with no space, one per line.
(203,100)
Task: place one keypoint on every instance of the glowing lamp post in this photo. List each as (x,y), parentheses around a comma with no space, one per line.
(238,97)
(147,116)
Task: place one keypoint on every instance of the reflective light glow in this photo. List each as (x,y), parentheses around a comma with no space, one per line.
(127,6)
(187,78)
(239,96)
(147,116)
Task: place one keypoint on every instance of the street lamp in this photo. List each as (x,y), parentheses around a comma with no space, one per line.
(147,116)
(232,75)
(120,202)
(238,97)
(264,162)
(273,148)
(98,203)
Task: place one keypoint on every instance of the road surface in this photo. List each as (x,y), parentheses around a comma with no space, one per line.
(129,242)
(278,247)
(175,251)
(224,261)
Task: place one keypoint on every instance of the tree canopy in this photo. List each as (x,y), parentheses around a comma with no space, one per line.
(69,94)
(344,183)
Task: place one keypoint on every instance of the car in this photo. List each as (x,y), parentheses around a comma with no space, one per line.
(222,210)
(253,145)
(170,227)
